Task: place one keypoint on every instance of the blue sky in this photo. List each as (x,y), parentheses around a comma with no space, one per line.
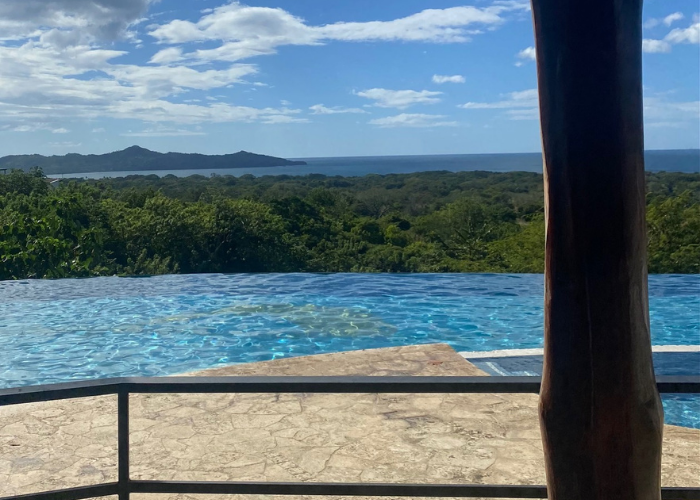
(301,78)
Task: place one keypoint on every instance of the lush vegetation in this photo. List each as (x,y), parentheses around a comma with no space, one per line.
(424,222)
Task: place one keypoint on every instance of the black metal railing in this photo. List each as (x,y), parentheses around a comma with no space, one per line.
(122,387)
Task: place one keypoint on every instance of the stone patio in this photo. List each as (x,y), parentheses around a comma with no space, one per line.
(458,438)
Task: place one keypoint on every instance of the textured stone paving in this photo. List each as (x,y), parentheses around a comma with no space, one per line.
(295,437)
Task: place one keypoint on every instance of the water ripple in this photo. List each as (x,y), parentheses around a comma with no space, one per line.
(62,330)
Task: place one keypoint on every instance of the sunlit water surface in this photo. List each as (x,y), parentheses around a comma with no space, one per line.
(55,331)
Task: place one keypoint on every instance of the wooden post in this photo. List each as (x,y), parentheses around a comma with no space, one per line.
(600,412)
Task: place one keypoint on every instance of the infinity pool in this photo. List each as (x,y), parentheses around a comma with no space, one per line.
(53,331)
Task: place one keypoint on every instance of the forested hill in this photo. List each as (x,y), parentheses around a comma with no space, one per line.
(137,158)
(423,222)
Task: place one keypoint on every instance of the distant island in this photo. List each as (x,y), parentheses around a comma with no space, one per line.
(136,159)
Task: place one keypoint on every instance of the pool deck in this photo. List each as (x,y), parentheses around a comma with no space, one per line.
(450,438)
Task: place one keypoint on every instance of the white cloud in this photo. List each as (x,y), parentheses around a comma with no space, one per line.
(44,82)
(71,20)
(162,111)
(40,83)
(651,23)
(273,119)
(167,56)
(522,6)
(659,111)
(254,31)
(320,109)
(162,81)
(521,99)
(520,105)
(527,54)
(671,18)
(667,21)
(56,70)
(523,114)
(651,46)
(238,22)
(448,79)
(98,130)
(162,132)
(665,125)
(35,127)
(400,99)
(65,144)
(431,25)
(413,120)
(689,35)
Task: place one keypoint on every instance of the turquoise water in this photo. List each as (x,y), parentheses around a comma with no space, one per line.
(55,331)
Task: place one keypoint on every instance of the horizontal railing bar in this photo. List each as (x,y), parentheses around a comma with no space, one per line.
(337,385)
(136,385)
(64,390)
(369,489)
(680,493)
(678,384)
(340,489)
(78,493)
(27,394)
(325,489)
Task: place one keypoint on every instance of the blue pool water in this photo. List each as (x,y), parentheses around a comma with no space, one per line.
(54,331)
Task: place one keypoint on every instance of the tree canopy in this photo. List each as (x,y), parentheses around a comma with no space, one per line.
(423,222)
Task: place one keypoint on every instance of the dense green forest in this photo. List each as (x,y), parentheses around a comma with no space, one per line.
(422,222)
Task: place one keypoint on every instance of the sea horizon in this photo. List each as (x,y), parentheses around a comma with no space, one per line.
(669,160)
(677,150)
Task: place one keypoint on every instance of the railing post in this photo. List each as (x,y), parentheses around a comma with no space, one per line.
(123,443)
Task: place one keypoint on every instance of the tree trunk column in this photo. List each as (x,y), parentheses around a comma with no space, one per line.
(600,412)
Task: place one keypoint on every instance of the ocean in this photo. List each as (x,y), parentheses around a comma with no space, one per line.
(687,161)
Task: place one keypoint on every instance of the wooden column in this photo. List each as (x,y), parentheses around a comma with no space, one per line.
(600,412)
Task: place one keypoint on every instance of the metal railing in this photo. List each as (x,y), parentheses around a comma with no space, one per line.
(122,387)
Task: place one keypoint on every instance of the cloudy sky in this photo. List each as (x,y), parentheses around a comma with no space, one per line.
(300,78)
